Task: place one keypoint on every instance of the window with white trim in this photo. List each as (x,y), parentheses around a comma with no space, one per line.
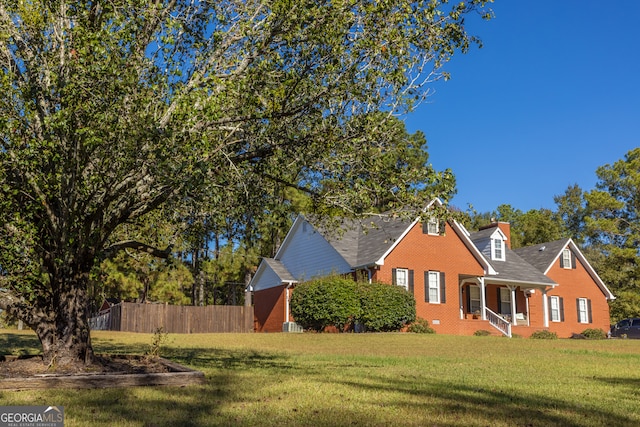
(434,287)
(566,259)
(402,277)
(505,301)
(433,226)
(554,303)
(583,310)
(497,249)
(474,298)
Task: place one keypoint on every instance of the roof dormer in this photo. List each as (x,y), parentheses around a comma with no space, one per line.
(492,241)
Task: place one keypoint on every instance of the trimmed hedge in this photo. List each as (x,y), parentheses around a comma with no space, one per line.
(343,303)
(385,307)
(330,301)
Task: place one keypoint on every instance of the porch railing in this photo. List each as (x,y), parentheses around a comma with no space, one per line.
(498,322)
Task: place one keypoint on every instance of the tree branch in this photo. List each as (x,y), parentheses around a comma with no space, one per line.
(138,246)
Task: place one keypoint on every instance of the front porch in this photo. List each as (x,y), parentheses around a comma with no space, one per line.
(501,305)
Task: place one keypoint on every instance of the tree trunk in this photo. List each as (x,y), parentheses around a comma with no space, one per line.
(64,327)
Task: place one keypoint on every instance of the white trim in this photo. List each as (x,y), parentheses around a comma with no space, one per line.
(580,311)
(566,263)
(397,242)
(592,272)
(555,298)
(435,274)
(406,278)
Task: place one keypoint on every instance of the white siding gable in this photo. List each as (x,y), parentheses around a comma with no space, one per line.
(265,278)
(306,254)
(486,245)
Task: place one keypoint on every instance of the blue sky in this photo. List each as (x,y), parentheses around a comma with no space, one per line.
(553,94)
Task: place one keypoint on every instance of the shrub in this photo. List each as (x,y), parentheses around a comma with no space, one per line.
(330,301)
(481,333)
(421,326)
(385,307)
(594,334)
(544,335)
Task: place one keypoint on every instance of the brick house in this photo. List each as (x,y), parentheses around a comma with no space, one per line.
(462,281)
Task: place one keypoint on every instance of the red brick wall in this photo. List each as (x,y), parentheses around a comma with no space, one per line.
(269,309)
(572,284)
(445,253)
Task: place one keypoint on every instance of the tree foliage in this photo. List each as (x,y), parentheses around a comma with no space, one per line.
(112,110)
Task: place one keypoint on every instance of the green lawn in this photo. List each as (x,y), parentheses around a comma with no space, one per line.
(363,380)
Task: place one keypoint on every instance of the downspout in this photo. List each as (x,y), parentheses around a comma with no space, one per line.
(369,274)
(286,302)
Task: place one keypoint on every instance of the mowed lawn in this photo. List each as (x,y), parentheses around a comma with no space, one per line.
(362,380)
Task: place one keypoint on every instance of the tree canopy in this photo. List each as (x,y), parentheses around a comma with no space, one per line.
(110,110)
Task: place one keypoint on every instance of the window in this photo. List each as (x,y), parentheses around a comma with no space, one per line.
(498,249)
(402,277)
(566,259)
(584,310)
(434,287)
(432,227)
(474,299)
(555,309)
(505,301)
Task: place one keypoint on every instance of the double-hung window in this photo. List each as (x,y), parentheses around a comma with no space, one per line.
(583,310)
(402,277)
(498,249)
(434,287)
(566,259)
(555,312)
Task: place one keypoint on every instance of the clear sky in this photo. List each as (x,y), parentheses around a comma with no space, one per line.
(553,94)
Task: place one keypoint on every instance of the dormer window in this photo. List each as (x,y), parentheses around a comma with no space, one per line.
(497,249)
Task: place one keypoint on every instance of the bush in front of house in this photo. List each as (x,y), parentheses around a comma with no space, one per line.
(544,335)
(329,301)
(481,333)
(420,326)
(384,307)
(594,334)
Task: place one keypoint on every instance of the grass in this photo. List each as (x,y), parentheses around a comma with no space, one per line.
(362,380)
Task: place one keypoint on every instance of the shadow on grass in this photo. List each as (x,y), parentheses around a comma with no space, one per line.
(19,344)
(494,406)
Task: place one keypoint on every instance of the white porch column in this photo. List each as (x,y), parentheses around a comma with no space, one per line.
(514,321)
(545,308)
(483,300)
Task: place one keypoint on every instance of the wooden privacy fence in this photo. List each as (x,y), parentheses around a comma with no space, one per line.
(176,319)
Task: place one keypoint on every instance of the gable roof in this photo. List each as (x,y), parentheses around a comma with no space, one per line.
(544,255)
(513,269)
(366,241)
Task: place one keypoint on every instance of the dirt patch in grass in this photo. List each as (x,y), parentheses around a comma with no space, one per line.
(107,371)
(33,365)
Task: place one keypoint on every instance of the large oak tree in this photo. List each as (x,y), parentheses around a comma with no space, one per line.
(110,110)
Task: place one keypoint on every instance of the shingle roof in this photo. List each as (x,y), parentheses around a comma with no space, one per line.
(513,267)
(365,241)
(279,268)
(541,256)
